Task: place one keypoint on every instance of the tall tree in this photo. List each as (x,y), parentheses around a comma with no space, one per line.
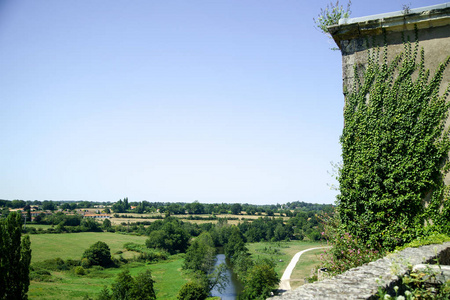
(15,258)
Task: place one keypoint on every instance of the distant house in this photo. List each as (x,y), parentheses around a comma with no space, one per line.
(97,216)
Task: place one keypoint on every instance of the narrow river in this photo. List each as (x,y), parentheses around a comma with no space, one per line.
(233,288)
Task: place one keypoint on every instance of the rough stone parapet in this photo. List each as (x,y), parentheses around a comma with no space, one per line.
(363,282)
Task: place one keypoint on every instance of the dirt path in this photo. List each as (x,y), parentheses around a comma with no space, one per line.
(285,279)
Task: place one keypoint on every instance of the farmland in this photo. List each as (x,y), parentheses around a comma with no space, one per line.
(167,274)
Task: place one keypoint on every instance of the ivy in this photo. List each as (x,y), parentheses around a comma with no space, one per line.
(395,150)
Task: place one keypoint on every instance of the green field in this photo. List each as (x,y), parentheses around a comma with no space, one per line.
(307,262)
(284,251)
(67,285)
(72,245)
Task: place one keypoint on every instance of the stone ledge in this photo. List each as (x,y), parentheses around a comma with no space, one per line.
(363,282)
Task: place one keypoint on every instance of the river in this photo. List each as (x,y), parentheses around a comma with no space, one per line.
(233,288)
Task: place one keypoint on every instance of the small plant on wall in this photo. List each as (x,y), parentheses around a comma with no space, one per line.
(331,15)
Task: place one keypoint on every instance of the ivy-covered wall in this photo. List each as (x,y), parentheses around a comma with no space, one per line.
(395,143)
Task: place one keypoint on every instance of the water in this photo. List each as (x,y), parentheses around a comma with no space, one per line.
(233,288)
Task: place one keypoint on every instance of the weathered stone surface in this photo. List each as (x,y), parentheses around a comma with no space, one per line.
(363,282)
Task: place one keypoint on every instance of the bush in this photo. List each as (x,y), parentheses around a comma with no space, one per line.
(80,270)
(147,254)
(347,251)
(85,263)
(54,264)
(41,276)
(192,291)
(99,254)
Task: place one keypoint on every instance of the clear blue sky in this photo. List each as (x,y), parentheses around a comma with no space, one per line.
(215,101)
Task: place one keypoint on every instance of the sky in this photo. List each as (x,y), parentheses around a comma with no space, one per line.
(171,101)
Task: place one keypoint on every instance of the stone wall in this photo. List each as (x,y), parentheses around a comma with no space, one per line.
(363,282)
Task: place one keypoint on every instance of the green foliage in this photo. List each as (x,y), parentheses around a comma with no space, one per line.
(79,270)
(146,254)
(98,254)
(331,15)
(104,294)
(394,144)
(122,287)
(424,285)
(437,238)
(200,259)
(201,254)
(138,288)
(90,225)
(347,252)
(106,224)
(121,206)
(172,237)
(192,291)
(235,243)
(56,264)
(143,287)
(260,280)
(15,258)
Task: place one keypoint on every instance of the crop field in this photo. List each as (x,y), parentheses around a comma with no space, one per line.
(72,245)
(134,217)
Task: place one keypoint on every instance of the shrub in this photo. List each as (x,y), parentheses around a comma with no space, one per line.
(80,270)
(147,254)
(192,291)
(99,254)
(85,263)
(347,251)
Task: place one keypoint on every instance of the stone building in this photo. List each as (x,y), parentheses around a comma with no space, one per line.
(355,36)
(433,24)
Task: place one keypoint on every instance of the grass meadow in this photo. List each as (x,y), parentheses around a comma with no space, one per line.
(284,251)
(72,245)
(68,285)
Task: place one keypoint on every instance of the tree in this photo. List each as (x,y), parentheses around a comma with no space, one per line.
(48,205)
(138,288)
(143,287)
(15,258)
(106,224)
(235,243)
(260,281)
(192,291)
(99,254)
(91,224)
(200,256)
(236,208)
(171,237)
(121,206)
(121,288)
(104,294)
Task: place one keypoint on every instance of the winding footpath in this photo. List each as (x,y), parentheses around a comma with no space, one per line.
(285,279)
